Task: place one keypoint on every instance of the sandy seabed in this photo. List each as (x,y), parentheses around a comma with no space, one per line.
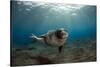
(79,51)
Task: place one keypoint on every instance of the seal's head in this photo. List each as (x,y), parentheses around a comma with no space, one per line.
(61,33)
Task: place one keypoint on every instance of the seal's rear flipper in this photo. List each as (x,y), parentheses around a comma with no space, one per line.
(34,38)
(43,36)
(60,49)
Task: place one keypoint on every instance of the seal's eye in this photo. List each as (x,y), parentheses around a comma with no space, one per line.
(58,33)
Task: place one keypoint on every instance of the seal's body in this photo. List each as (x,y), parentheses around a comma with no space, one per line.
(53,38)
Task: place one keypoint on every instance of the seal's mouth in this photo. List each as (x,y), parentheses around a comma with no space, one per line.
(61,34)
(64,34)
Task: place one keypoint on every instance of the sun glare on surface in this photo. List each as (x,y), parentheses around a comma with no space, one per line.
(56,7)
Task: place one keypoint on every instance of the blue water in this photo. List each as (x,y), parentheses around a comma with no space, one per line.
(38,18)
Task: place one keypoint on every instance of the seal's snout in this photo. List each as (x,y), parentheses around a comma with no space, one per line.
(61,33)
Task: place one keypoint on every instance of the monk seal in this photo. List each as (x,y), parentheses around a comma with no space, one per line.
(53,38)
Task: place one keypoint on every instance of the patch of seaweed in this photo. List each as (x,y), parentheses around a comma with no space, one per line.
(42,60)
(23,59)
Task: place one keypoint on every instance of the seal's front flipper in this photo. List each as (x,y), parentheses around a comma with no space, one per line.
(60,49)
